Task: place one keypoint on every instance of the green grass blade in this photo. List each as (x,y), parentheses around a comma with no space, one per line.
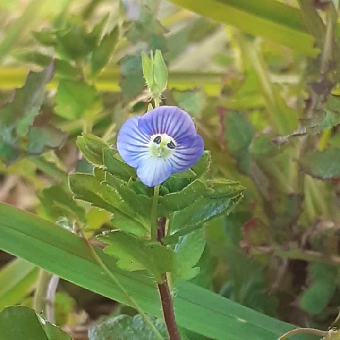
(57,250)
(267,18)
(17,280)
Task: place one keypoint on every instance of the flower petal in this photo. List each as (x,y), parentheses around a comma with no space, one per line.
(132,144)
(171,120)
(154,171)
(187,154)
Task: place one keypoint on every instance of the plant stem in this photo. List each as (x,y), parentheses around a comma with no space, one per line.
(302,330)
(50,298)
(164,292)
(156,101)
(120,286)
(154,226)
(39,299)
(168,309)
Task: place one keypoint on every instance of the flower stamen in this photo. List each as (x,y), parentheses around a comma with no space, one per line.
(157,139)
(162,146)
(171,145)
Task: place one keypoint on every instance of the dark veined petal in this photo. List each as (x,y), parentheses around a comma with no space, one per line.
(154,171)
(187,154)
(167,119)
(132,143)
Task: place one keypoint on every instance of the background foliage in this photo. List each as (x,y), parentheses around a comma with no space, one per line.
(260,78)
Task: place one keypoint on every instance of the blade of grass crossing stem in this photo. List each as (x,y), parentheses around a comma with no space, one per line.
(269,19)
(65,254)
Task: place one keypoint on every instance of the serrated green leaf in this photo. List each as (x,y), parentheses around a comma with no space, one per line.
(139,203)
(128,225)
(202,167)
(322,164)
(189,174)
(102,53)
(90,189)
(92,148)
(125,327)
(116,167)
(181,199)
(74,98)
(137,254)
(189,250)
(224,188)
(201,211)
(58,202)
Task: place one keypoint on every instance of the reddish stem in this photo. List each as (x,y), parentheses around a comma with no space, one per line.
(165,294)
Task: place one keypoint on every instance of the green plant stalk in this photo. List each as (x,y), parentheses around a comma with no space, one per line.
(39,299)
(153,220)
(121,287)
(169,275)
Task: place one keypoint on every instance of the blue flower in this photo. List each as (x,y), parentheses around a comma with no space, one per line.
(160,143)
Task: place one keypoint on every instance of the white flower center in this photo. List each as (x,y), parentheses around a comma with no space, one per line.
(162,145)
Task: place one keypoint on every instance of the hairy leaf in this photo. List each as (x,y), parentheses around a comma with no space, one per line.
(92,148)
